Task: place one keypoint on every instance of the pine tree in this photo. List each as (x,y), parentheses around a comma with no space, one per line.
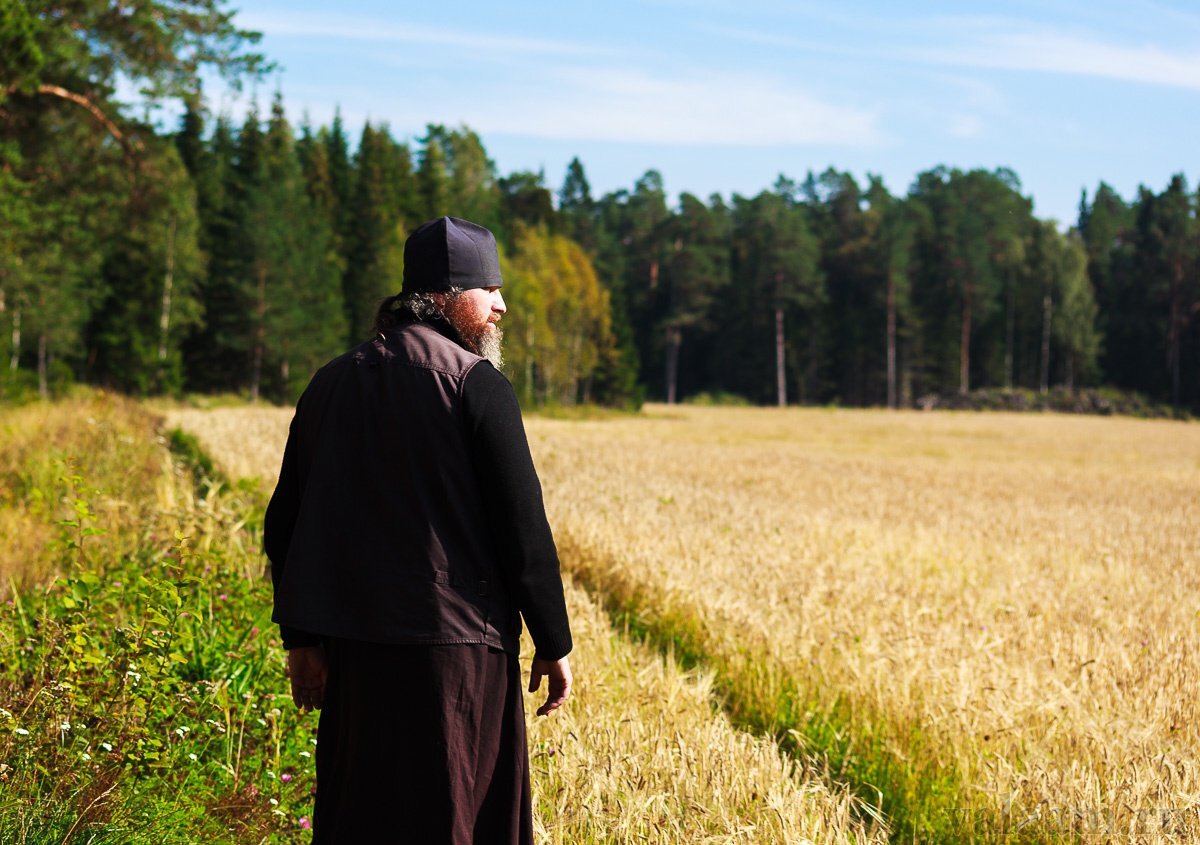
(374,258)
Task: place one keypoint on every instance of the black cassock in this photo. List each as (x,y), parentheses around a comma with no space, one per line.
(423,745)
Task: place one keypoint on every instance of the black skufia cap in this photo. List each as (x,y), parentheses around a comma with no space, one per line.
(449,252)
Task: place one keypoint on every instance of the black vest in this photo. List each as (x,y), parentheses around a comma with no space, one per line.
(390,541)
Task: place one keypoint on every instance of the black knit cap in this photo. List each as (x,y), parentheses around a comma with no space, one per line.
(450,253)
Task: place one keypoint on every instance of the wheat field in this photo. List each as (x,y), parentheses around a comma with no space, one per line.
(642,752)
(1021,591)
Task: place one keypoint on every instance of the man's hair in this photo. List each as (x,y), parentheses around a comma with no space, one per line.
(404,307)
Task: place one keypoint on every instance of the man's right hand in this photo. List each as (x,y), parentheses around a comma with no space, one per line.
(308,669)
(558,673)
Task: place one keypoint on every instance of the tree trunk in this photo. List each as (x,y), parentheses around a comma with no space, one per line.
(780,380)
(15,360)
(891,341)
(43,385)
(674,341)
(1009,331)
(530,391)
(260,334)
(1070,382)
(285,367)
(964,360)
(164,323)
(1047,313)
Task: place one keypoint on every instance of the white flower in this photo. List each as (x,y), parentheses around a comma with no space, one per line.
(86,756)
(313,741)
(270,774)
(106,746)
(5,713)
(193,757)
(21,732)
(182,730)
(305,754)
(273,802)
(65,726)
(261,722)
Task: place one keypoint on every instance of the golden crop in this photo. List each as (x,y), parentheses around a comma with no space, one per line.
(641,753)
(1022,591)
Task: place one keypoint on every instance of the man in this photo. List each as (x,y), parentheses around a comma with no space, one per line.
(407,537)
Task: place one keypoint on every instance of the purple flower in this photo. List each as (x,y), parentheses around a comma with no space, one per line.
(223,596)
(285,777)
(305,823)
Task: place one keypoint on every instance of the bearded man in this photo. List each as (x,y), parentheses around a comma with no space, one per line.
(407,537)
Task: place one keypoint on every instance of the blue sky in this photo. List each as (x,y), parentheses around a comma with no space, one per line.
(724,95)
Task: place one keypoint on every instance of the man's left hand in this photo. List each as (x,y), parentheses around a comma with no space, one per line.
(308,669)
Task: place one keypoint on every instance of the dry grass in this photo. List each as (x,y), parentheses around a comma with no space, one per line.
(1024,589)
(642,753)
(50,453)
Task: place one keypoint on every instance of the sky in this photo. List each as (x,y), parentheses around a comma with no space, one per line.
(723,96)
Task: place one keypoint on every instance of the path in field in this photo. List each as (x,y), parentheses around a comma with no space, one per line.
(642,753)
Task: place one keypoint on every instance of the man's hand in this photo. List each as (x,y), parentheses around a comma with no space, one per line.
(558,673)
(308,669)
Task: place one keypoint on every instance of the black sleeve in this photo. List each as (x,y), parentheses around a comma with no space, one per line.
(517,515)
(278,525)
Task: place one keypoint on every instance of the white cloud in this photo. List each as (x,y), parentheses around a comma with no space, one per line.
(634,106)
(370,30)
(965,126)
(985,45)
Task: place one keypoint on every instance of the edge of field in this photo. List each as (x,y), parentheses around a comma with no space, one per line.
(898,771)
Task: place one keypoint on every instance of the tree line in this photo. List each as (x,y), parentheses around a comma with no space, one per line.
(237,257)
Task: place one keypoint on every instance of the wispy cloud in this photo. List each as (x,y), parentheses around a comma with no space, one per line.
(711,108)
(1056,52)
(361,29)
(965,126)
(1000,43)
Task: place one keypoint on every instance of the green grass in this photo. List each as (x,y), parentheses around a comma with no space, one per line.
(142,692)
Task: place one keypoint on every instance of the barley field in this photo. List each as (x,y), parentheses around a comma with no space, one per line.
(992,621)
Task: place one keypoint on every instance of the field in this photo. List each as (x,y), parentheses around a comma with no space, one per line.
(988,622)
(789,624)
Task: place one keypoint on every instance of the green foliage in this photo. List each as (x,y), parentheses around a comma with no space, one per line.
(278,249)
(557,328)
(142,690)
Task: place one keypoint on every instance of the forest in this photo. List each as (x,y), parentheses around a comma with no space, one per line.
(206,254)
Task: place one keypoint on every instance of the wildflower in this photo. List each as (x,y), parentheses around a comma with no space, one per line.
(5,713)
(65,726)
(106,746)
(86,756)
(305,824)
(223,596)
(313,741)
(116,583)
(272,802)
(285,777)
(21,732)
(254,631)
(305,754)
(193,757)
(270,774)
(182,730)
